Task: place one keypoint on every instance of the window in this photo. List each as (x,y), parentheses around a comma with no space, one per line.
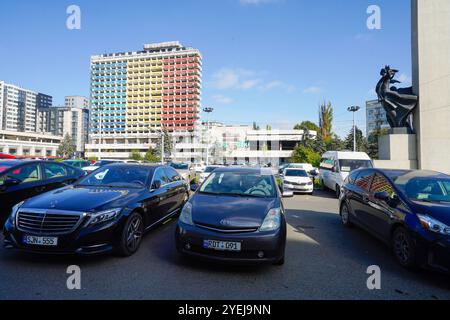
(54,170)
(172,174)
(364,179)
(352,177)
(160,176)
(380,184)
(327,164)
(25,174)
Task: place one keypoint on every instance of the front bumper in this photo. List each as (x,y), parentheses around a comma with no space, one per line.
(189,241)
(297,188)
(433,252)
(83,241)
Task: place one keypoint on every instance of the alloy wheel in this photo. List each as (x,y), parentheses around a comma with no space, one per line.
(134,233)
(402,247)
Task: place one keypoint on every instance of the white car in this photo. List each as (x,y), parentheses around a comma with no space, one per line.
(298,180)
(199,167)
(205,174)
(98,164)
(336,166)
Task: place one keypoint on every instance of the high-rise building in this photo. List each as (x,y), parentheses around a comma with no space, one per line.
(375,117)
(136,95)
(18,107)
(72,119)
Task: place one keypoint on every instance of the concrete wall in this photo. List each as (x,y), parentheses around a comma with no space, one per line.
(431,79)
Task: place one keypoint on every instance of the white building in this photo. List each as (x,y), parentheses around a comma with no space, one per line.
(18,107)
(30,145)
(375,117)
(76,102)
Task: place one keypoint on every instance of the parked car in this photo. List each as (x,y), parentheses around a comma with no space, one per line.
(237,215)
(205,174)
(110,209)
(199,168)
(408,210)
(298,180)
(309,168)
(6,156)
(77,163)
(335,166)
(23,179)
(186,171)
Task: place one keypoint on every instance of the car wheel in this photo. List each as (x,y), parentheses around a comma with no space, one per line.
(404,248)
(338,191)
(131,235)
(345,216)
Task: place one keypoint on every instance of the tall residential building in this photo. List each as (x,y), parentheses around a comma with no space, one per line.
(18,107)
(76,102)
(136,95)
(72,119)
(375,117)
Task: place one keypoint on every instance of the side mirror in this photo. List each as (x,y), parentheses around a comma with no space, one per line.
(383,196)
(194,187)
(156,185)
(9,183)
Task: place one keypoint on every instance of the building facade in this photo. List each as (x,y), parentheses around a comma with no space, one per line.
(375,117)
(29,145)
(135,95)
(19,107)
(76,102)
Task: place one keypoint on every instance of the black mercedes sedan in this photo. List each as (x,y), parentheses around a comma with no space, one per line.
(408,210)
(237,216)
(108,210)
(23,179)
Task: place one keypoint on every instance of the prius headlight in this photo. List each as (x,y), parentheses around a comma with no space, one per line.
(15,209)
(272,221)
(186,214)
(433,225)
(104,216)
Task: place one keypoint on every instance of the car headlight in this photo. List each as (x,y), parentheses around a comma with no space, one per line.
(272,221)
(287,182)
(434,225)
(186,214)
(104,216)
(15,209)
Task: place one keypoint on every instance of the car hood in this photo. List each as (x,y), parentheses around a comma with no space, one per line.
(83,199)
(226,212)
(439,211)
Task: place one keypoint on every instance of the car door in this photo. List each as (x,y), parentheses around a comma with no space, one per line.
(360,197)
(178,188)
(380,212)
(161,202)
(30,184)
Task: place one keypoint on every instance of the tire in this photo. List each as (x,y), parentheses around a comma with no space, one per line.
(338,191)
(345,216)
(131,237)
(404,248)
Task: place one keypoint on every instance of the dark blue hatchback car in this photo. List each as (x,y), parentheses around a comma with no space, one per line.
(409,210)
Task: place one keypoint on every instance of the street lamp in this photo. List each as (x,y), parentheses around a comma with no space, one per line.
(354,109)
(208,111)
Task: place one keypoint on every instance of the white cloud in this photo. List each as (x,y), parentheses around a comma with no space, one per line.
(222,99)
(313,90)
(226,79)
(250,84)
(403,78)
(255,2)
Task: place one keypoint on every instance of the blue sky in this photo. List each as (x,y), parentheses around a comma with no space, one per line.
(270,61)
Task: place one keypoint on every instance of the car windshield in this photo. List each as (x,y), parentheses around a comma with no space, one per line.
(347,165)
(180,166)
(210,169)
(427,189)
(296,173)
(239,184)
(119,177)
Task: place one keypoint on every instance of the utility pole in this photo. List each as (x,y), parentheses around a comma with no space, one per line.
(162,147)
(354,109)
(208,111)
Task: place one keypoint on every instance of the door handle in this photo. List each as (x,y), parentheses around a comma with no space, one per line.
(366,199)
(39,189)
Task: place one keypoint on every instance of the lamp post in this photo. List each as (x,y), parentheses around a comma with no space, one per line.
(354,109)
(208,111)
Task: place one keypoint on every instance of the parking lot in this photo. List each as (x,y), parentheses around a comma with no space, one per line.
(323,261)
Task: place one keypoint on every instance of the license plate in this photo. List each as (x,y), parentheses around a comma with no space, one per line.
(222,245)
(40,241)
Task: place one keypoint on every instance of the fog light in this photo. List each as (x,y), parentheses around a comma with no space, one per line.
(187,246)
(261,254)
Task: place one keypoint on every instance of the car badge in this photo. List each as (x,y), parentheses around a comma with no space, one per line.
(53,204)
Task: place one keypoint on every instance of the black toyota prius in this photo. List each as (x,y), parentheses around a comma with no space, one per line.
(110,209)
(237,216)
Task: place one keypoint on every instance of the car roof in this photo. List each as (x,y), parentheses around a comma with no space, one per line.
(348,155)
(17,162)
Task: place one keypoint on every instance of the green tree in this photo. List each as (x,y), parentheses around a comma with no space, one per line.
(136,155)
(372,140)
(66,149)
(151,155)
(168,146)
(303,154)
(326,121)
(269,127)
(256,127)
(335,144)
(361,141)
(307,125)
